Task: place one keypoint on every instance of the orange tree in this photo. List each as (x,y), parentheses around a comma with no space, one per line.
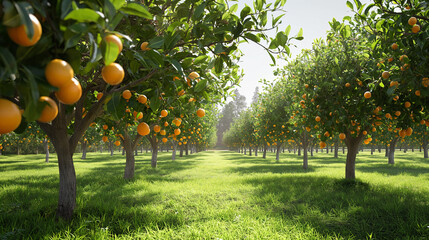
(75,39)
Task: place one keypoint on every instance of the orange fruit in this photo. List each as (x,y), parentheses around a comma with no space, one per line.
(142,99)
(398,113)
(10,116)
(143,129)
(165,124)
(201,112)
(193,75)
(347,84)
(306,85)
(409,131)
(395,46)
(164,140)
(417,92)
(126,94)
(364,132)
(58,73)
(402,133)
(105,127)
(164,113)
(50,110)
(181,93)
(177,131)
(407,104)
(113,74)
(114,39)
(342,136)
(415,29)
(317,119)
(326,134)
(402,58)
(69,94)
(412,21)
(19,34)
(390,59)
(388,116)
(322,144)
(117,143)
(105,138)
(162,132)
(99,96)
(156,128)
(144,47)
(385,74)
(367,94)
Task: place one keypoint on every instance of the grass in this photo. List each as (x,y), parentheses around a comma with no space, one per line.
(219,195)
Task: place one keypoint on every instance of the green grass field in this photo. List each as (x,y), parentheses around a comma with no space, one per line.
(219,195)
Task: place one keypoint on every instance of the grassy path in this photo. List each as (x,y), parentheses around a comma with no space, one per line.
(219,195)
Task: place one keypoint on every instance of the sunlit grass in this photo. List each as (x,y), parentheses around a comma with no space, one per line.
(220,195)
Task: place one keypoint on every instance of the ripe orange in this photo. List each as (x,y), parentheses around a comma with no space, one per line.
(326,134)
(156,128)
(417,92)
(306,85)
(99,96)
(162,132)
(407,104)
(317,119)
(412,21)
(402,58)
(10,116)
(50,110)
(322,144)
(425,82)
(385,74)
(113,74)
(164,113)
(59,73)
(395,46)
(342,136)
(105,138)
(114,39)
(126,94)
(70,93)
(144,47)
(105,127)
(364,132)
(415,29)
(409,131)
(117,143)
(164,140)
(367,94)
(193,75)
(143,129)
(201,112)
(177,131)
(388,116)
(402,133)
(19,34)
(347,84)
(181,93)
(165,124)
(142,99)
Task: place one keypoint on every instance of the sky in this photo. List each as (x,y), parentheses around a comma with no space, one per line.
(313,16)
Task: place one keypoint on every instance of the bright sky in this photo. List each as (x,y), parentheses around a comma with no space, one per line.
(313,16)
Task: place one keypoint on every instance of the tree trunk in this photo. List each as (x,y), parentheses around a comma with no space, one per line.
(154,143)
(245,150)
(299,150)
(181,151)
(256,151)
(304,141)
(386,153)
(46,146)
(344,149)
(311,149)
(250,151)
(372,149)
(352,150)
(84,145)
(425,146)
(392,150)
(278,152)
(186,149)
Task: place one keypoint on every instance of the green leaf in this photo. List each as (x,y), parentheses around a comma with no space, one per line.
(218,65)
(379,25)
(245,12)
(155,104)
(219,48)
(233,8)
(109,9)
(24,15)
(200,59)
(113,107)
(273,44)
(287,31)
(111,52)
(156,57)
(252,37)
(350,5)
(299,36)
(118,3)
(176,65)
(259,5)
(391,90)
(11,17)
(199,12)
(201,85)
(136,10)
(347,18)
(83,15)
(275,20)
(156,42)
(8,61)
(93,48)
(272,57)
(187,62)
(281,39)
(66,8)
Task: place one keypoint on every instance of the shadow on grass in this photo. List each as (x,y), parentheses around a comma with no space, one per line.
(104,199)
(345,209)
(396,169)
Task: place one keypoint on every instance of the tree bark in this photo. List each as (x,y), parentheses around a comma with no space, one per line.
(391,159)
(352,150)
(186,149)
(279,145)
(336,149)
(304,141)
(256,151)
(154,144)
(250,151)
(425,146)
(173,155)
(386,153)
(84,145)
(181,151)
(264,155)
(299,150)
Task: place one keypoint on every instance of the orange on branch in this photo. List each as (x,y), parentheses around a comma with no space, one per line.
(143,129)
(114,39)
(113,74)
(385,74)
(58,73)
(367,94)
(19,34)
(164,113)
(10,116)
(144,47)
(70,93)
(156,128)
(126,94)
(201,112)
(142,99)
(50,111)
